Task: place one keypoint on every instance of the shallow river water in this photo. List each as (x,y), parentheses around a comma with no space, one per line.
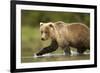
(54,57)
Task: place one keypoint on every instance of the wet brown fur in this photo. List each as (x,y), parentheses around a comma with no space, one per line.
(67,35)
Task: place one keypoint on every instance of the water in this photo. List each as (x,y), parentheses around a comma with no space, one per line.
(54,57)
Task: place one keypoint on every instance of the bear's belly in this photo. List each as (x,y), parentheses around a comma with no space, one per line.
(77,45)
(63,44)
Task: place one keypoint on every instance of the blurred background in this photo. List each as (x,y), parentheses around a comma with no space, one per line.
(31,37)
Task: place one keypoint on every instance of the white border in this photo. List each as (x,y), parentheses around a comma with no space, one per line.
(20,65)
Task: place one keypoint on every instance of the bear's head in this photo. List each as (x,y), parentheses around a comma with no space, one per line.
(47,30)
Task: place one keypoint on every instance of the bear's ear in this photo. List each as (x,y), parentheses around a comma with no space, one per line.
(51,25)
(41,23)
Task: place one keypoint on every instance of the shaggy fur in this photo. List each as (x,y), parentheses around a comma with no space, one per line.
(65,35)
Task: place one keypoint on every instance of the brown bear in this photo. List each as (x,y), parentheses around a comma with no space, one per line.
(65,35)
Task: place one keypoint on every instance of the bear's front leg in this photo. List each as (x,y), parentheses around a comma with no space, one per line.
(51,48)
(65,47)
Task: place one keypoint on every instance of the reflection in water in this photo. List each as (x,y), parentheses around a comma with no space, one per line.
(54,57)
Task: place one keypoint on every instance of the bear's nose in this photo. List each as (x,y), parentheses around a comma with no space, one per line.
(42,38)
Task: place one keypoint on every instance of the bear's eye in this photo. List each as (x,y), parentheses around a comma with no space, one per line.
(41,31)
(46,32)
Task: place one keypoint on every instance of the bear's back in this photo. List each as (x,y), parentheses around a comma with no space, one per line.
(78,28)
(78,33)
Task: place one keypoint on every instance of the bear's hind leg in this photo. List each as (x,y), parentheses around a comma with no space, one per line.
(81,51)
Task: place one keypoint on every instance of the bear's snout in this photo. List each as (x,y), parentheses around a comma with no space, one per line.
(42,39)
